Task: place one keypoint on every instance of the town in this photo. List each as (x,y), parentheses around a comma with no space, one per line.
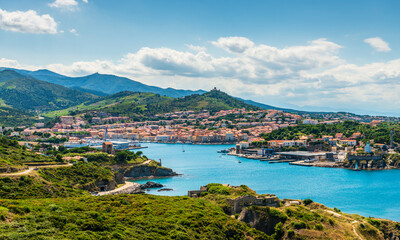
(244,128)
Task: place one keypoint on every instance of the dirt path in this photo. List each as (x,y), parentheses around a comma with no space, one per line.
(128,187)
(30,169)
(354,223)
(145,163)
(355,231)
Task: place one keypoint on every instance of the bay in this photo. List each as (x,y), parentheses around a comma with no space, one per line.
(368,193)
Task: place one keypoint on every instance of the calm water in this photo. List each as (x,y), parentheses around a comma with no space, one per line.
(368,193)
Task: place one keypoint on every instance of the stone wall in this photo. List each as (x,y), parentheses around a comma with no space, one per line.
(237,204)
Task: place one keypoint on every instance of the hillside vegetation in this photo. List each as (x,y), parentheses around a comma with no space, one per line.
(28,93)
(159,217)
(120,217)
(13,156)
(139,105)
(11,117)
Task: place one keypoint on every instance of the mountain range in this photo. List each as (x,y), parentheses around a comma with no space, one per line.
(104,83)
(53,94)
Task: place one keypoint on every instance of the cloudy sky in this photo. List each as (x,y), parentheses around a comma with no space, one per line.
(313,55)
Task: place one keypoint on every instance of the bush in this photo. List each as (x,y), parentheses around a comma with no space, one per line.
(299,225)
(319,227)
(307,201)
(337,210)
(218,189)
(290,234)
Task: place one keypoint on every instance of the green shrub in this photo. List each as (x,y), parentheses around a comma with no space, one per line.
(299,225)
(307,201)
(290,234)
(319,227)
(337,210)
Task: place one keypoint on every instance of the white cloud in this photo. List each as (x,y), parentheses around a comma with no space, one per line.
(378,44)
(308,75)
(196,48)
(8,63)
(73,31)
(27,22)
(69,5)
(85,1)
(234,44)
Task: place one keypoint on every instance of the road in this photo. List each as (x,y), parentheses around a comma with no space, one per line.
(128,187)
(30,169)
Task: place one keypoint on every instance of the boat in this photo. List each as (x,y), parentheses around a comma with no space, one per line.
(239,161)
(183,150)
(223,151)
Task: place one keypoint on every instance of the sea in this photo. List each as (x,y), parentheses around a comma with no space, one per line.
(367,193)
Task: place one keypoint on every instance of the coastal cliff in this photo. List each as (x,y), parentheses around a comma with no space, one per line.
(148,169)
(261,218)
(294,219)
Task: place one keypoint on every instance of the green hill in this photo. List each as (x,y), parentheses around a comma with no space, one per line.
(28,93)
(11,117)
(13,157)
(148,104)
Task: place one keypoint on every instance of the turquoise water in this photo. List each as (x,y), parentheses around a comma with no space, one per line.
(368,193)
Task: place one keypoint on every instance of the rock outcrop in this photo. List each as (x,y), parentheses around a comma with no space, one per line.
(151,185)
(260,219)
(146,170)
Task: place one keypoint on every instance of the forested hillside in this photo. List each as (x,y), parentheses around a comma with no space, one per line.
(139,105)
(27,93)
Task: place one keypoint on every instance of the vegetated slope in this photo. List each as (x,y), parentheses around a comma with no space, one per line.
(139,105)
(120,217)
(303,220)
(11,117)
(160,217)
(61,181)
(13,156)
(106,83)
(28,93)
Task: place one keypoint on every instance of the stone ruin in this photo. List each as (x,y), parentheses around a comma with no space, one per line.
(236,205)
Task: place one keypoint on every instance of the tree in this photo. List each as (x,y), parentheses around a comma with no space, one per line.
(121,157)
(59,158)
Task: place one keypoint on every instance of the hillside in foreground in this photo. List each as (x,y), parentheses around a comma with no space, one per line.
(159,217)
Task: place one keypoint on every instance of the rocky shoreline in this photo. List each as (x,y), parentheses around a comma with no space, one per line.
(335,165)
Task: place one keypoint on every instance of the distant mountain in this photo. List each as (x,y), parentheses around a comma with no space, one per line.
(148,104)
(109,84)
(27,93)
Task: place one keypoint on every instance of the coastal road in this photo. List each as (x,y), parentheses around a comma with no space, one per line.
(128,187)
(30,169)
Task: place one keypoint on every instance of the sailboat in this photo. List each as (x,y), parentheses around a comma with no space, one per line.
(239,161)
(183,150)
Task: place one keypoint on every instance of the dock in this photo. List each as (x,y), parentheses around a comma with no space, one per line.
(282,161)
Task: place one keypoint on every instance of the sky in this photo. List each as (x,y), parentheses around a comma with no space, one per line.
(308,55)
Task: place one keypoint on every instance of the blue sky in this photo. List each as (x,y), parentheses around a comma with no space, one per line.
(341,55)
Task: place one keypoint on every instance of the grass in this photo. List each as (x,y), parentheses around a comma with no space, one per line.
(120,217)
